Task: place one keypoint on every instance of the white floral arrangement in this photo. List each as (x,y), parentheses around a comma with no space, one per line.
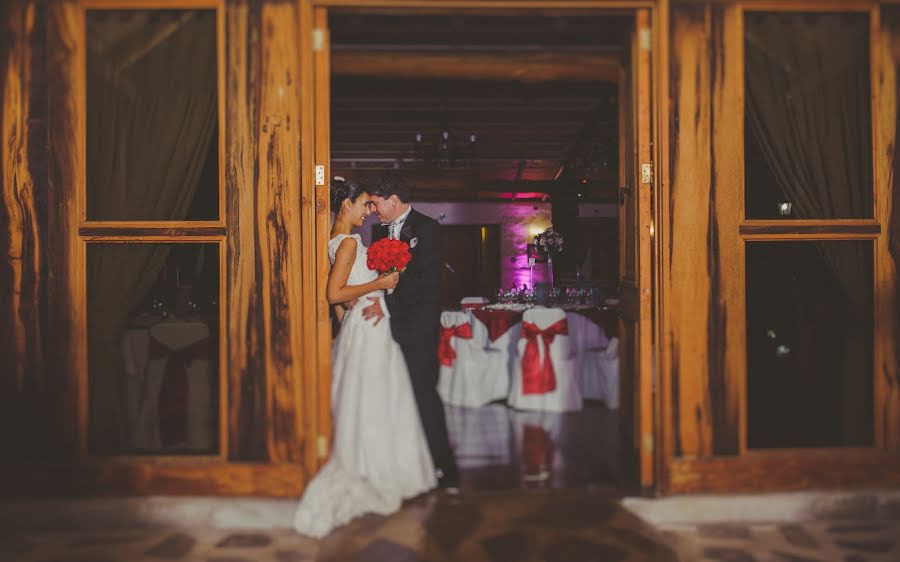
(549,242)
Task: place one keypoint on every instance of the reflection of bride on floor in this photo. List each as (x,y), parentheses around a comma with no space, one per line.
(379,456)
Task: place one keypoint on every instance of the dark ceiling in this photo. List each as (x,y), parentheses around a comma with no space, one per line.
(525,133)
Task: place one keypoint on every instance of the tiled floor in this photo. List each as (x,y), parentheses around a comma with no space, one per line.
(537,487)
(505,527)
(815,541)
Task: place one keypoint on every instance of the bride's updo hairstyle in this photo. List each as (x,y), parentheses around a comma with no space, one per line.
(343,189)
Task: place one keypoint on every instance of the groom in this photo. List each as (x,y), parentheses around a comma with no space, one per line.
(414,310)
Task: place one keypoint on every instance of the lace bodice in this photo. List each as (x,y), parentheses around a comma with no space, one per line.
(360,272)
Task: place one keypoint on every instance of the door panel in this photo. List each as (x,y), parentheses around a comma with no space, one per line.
(636,384)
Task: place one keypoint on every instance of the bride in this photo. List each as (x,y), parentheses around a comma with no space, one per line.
(379,456)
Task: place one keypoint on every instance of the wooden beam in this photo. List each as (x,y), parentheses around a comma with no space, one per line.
(531,67)
(689,212)
(246,391)
(67,365)
(148,476)
(773,471)
(282,232)
(21,357)
(886,123)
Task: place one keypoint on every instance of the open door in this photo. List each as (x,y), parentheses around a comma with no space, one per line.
(322,138)
(635,274)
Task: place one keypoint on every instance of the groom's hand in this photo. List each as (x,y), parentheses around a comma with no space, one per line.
(350,304)
(373,310)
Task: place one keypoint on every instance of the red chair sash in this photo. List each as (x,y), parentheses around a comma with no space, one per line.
(172,404)
(446,354)
(538,378)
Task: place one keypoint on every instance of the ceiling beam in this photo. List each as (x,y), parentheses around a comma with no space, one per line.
(521,67)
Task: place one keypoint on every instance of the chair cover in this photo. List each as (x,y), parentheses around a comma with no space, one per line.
(544,374)
(466,378)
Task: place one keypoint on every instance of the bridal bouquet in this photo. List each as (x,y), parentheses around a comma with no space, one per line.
(388,256)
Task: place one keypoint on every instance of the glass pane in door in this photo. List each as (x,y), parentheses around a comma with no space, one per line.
(810,344)
(152,118)
(153,348)
(808,130)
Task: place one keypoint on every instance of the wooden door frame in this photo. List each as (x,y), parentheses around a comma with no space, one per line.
(730,466)
(653,460)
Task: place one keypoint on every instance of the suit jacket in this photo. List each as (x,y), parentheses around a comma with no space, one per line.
(414,305)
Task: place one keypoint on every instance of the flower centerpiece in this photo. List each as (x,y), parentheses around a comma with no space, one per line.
(549,242)
(388,256)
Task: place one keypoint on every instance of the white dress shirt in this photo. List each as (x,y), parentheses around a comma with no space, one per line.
(396,226)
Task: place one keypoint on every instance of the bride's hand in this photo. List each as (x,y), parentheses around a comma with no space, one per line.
(388,280)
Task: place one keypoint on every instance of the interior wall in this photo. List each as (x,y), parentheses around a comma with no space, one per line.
(519,222)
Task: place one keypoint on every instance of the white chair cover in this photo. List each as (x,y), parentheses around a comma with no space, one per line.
(468,380)
(567,394)
(500,354)
(597,359)
(600,372)
(174,336)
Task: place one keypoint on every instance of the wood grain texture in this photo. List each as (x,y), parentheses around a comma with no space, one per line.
(21,355)
(532,67)
(784,471)
(278,231)
(726,344)
(643,433)
(141,477)
(246,388)
(759,230)
(688,281)
(67,365)
(322,80)
(886,117)
(164,232)
(308,407)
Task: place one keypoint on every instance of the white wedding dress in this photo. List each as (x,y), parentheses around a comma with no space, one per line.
(379,456)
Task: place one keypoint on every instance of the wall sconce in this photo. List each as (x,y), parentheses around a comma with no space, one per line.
(784,209)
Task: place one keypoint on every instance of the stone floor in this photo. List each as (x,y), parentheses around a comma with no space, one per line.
(815,541)
(559,526)
(511,526)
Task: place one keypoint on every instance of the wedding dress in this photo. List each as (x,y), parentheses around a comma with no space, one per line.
(379,456)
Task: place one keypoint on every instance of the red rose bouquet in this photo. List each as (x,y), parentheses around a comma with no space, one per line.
(388,256)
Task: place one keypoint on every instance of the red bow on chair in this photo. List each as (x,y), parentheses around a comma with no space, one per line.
(537,378)
(445,351)
(173,393)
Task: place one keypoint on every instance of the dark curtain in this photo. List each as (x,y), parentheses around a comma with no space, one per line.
(808,109)
(151,117)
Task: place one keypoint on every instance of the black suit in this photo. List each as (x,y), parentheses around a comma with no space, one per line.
(415,313)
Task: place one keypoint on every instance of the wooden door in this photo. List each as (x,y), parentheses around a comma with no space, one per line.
(636,330)
(471,262)
(321,47)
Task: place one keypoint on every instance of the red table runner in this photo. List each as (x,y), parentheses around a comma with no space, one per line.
(498,322)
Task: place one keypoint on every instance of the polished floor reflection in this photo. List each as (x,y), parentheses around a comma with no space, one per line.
(498,448)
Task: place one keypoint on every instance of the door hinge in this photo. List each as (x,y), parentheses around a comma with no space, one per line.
(648,443)
(647,173)
(320,174)
(318,40)
(645,39)
(322,443)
